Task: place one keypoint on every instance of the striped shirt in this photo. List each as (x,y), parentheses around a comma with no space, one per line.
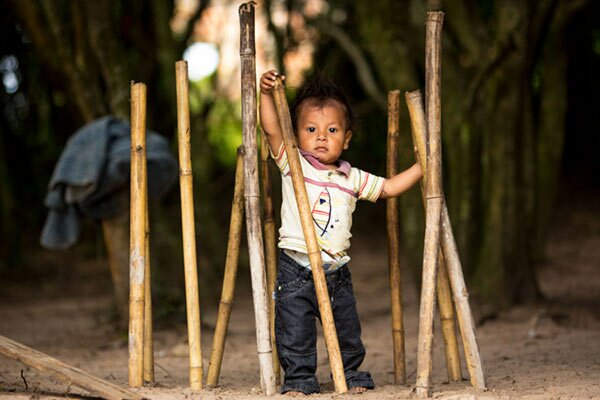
(332,195)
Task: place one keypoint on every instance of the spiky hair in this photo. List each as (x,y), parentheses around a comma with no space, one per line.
(319,90)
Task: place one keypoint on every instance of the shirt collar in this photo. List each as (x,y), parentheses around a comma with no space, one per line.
(343,166)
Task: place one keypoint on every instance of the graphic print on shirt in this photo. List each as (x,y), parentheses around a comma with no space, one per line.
(321,211)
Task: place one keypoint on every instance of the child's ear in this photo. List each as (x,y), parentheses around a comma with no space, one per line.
(347,139)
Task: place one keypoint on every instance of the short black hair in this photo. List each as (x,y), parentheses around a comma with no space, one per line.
(320,89)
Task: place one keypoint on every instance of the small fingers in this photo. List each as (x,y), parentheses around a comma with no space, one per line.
(267,81)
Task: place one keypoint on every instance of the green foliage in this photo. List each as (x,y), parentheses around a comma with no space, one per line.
(225,130)
(222,120)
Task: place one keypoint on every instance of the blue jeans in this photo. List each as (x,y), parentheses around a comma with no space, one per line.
(296,308)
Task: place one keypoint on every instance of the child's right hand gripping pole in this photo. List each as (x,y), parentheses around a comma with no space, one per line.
(314,252)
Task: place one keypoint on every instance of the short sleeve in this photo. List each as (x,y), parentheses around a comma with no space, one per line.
(281,159)
(368,186)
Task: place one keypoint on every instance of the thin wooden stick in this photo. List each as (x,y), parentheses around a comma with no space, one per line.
(270,243)
(63,372)
(231,268)
(460,293)
(137,246)
(419,135)
(252,197)
(461,302)
(444,296)
(314,251)
(434,202)
(187,224)
(148,331)
(393,234)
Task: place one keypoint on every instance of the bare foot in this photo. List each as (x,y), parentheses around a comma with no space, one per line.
(294,393)
(357,390)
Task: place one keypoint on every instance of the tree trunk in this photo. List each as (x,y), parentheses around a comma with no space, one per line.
(504,114)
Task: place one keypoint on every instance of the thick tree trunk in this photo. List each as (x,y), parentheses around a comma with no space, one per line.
(504,113)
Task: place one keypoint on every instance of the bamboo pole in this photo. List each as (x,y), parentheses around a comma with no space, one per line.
(63,372)
(460,293)
(434,202)
(231,268)
(187,224)
(148,331)
(270,244)
(444,296)
(137,245)
(314,251)
(461,303)
(393,234)
(453,266)
(419,135)
(252,197)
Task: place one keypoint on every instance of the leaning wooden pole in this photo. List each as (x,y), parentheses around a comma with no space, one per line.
(231,268)
(137,236)
(460,294)
(434,201)
(314,251)
(414,101)
(64,372)
(270,242)
(252,197)
(187,224)
(393,234)
(461,303)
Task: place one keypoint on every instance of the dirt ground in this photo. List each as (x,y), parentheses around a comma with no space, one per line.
(548,351)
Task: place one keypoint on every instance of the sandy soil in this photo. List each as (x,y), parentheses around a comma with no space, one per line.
(548,351)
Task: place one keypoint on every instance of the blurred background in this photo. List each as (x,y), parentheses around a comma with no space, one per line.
(520,91)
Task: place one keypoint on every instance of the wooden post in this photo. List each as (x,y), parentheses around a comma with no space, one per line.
(393,234)
(148,330)
(270,243)
(434,202)
(314,251)
(419,135)
(252,197)
(63,372)
(231,268)
(137,242)
(187,224)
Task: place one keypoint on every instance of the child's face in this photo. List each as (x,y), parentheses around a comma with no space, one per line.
(322,130)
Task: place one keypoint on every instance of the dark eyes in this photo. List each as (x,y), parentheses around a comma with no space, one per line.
(313,130)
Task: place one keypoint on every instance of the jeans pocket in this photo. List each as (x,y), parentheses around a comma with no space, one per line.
(287,289)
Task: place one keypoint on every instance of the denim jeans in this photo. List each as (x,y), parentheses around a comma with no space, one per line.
(296,308)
